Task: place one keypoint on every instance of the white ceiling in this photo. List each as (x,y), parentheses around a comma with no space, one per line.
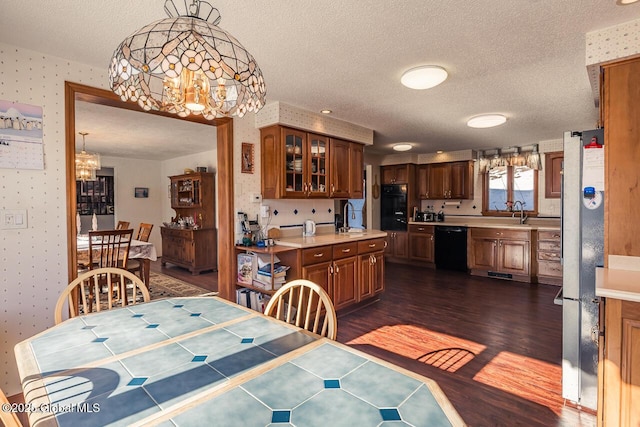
(522,58)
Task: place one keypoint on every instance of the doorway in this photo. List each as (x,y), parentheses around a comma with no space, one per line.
(224,127)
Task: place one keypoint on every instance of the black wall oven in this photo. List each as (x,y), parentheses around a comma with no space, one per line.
(393,207)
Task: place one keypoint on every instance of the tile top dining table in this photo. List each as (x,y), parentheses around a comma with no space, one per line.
(206,361)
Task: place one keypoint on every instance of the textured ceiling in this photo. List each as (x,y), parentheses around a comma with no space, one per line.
(522,58)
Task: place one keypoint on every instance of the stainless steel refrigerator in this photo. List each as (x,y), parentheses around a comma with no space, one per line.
(582,252)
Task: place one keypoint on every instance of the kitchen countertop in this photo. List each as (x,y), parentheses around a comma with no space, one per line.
(551,224)
(621,280)
(329,239)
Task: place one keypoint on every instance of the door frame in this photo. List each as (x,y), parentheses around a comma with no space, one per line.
(225,199)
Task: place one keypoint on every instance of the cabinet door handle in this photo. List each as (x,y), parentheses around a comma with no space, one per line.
(432,237)
(333,189)
(330,268)
(420,229)
(318,255)
(346,251)
(385,244)
(372,245)
(336,269)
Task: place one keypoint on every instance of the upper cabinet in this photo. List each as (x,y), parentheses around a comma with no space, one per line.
(395,174)
(192,195)
(297,164)
(553,174)
(453,180)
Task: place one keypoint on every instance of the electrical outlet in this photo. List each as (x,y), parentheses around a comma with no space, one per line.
(255,198)
(13,218)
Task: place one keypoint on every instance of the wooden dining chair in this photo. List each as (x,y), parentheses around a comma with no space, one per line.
(122,225)
(109,248)
(144,231)
(306,305)
(136,266)
(84,295)
(8,418)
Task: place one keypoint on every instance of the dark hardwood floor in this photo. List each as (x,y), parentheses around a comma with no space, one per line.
(493,346)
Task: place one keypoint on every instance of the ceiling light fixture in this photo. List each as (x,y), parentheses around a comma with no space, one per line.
(625,2)
(486,121)
(402,147)
(439,152)
(186,64)
(326,111)
(86,163)
(424,77)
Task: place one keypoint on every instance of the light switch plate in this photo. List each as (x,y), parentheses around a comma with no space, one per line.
(13,218)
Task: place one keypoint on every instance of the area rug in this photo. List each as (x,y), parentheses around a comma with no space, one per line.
(163,286)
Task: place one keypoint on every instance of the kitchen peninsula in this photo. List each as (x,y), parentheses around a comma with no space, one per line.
(349,266)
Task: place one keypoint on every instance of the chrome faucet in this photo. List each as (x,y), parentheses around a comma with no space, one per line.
(345,220)
(523,217)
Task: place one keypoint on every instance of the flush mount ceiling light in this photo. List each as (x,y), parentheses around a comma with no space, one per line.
(402,147)
(486,121)
(326,111)
(186,64)
(424,77)
(86,163)
(625,2)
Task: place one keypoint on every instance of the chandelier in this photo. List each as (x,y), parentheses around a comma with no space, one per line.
(86,163)
(186,64)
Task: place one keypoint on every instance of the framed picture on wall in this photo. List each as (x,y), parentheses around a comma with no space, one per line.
(141,192)
(247,158)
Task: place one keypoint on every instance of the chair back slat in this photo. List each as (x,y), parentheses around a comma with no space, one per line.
(94,290)
(122,225)
(306,305)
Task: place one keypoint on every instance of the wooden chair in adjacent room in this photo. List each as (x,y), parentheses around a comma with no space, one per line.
(109,248)
(136,265)
(84,295)
(306,305)
(8,418)
(122,225)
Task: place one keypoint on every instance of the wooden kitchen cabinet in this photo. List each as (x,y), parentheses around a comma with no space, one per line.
(422,182)
(500,253)
(553,174)
(397,174)
(397,245)
(421,243)
(549,268)
(345,282)
(619,362)
(296,164)
(194,248)
(452,180)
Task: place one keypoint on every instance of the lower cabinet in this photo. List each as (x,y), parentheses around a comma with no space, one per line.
(195,250)
(349,272)
(501,253)
(619,361)
(421,243)
(397,245)
(549,268)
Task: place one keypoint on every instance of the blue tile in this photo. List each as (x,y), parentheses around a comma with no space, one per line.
(88,327)
(422,409)
(137,381)
(158,360)
(196,314)
(174,386)
(246,340)
(178,306)
(331,383)
(281,416)
(335,408)
(390,414)
(285,386)
(199,358)
(152,326)
(328,361)
(100,339)
(233,409)
(138,315)
(380,385)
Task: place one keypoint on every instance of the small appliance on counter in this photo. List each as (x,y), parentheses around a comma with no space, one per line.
(308,228)
(440,216)
(424,217)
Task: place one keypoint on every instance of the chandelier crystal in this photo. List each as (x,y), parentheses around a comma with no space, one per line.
(186,64)
(86,163)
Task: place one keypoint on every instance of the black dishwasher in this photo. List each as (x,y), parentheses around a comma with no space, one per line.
(451,248)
